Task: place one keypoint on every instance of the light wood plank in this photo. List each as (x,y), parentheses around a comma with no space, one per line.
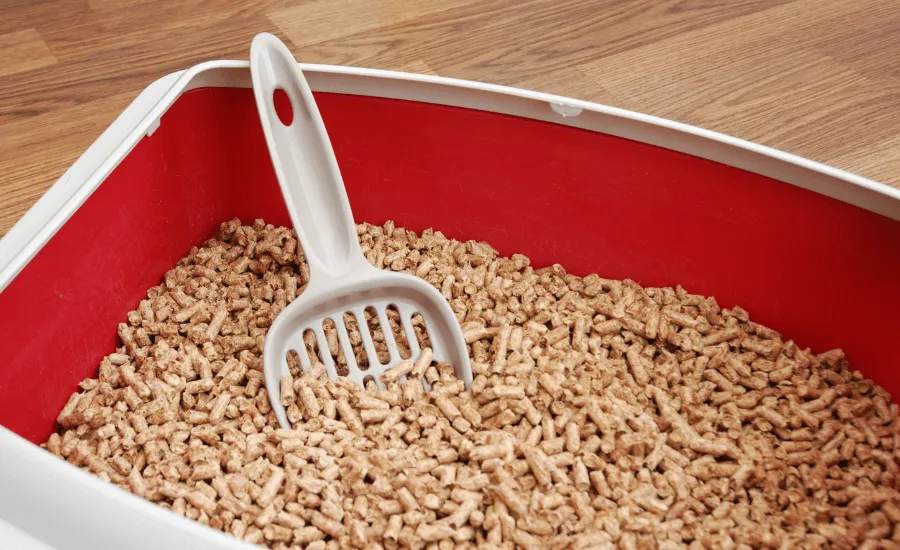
(22,51)
(417,67)
(37,151)
(312,22)
(771,85)
(878,161)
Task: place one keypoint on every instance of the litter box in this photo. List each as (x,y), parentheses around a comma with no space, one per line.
(809,250)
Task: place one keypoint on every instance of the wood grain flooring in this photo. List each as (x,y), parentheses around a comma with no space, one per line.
(818,78)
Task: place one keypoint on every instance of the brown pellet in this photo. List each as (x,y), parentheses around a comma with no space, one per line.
(603,415)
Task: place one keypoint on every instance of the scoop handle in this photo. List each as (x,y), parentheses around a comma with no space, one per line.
(304,162)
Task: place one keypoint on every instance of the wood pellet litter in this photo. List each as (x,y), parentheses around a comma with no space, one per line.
(602,415)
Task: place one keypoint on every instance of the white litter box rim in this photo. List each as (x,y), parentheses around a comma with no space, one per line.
(59,505)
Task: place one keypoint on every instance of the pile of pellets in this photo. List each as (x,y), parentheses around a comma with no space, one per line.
(603,415)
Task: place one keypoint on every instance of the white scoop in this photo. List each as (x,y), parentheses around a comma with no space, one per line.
(341,279)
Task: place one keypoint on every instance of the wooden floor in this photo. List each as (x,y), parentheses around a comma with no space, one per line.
(819,78)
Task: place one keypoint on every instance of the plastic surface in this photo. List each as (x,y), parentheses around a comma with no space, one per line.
(820,270)
(11,537)
(68,508)
(341,279)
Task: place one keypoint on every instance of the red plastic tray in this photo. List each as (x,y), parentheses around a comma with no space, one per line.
(822,271)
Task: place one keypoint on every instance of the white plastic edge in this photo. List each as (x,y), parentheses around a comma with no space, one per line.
(12,537)
(64,506)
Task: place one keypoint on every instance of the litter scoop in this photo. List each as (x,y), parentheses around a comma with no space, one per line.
(341,279)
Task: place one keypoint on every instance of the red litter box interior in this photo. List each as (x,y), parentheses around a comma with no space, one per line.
(823,272)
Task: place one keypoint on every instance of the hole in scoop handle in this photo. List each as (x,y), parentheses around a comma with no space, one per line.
(304,161)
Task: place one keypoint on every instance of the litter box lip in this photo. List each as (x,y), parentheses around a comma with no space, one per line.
(41,489)
(144,114)
(46,496)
